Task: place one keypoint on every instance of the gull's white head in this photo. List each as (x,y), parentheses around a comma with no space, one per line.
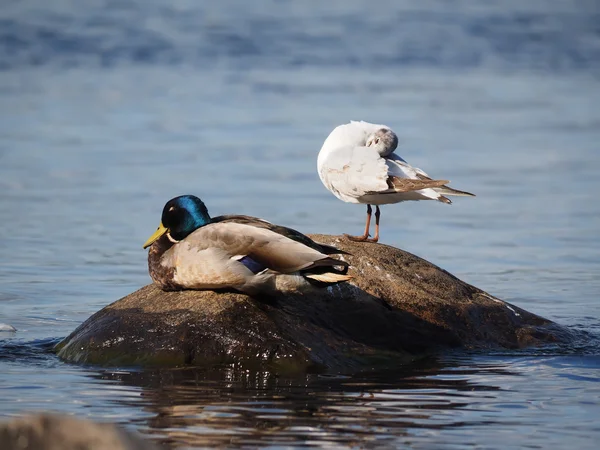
(384,141)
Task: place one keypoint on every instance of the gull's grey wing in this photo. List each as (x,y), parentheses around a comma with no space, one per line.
(447,189)
(399,168)
(358,171)
(396,184)
(354,171)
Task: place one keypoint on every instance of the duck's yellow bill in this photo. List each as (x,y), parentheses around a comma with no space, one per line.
(158,233)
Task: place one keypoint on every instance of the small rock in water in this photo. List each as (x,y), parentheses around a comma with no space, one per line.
(62,432)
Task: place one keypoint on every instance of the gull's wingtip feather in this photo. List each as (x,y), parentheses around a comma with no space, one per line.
(447,190)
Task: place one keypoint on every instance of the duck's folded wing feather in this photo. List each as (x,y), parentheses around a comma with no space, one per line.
(267,247)
(285,231)
(240,218)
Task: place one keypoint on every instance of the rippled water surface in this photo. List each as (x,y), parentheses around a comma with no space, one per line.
(108,109)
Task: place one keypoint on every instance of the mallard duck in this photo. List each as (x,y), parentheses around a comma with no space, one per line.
(189,250)
(358,165)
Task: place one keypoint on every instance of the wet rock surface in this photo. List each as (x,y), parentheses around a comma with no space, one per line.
(397,307)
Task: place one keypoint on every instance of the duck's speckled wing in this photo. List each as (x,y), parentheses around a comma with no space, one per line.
(285,231)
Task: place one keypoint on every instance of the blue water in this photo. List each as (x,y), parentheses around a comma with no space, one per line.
(110,108)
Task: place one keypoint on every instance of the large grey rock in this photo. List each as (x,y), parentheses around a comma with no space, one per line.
(62,432)
(397,307)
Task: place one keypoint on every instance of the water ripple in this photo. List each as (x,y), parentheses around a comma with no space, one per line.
(280,34)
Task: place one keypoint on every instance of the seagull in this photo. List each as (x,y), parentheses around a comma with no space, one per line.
(358,165)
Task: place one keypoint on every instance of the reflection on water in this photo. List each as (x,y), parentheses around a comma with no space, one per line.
(431,403)
(247,407)
(498,401)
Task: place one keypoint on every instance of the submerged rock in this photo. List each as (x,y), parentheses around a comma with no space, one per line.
(397,306)
(62,432)
(6,328)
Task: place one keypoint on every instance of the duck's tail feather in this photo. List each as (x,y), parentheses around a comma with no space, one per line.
(327,265)
(328,277)
(327,271)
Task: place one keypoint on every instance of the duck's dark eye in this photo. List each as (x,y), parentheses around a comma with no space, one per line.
(171,216)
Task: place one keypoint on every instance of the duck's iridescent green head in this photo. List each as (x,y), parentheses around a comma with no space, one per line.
(181,216)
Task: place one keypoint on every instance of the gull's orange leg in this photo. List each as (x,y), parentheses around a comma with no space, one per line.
(377,214)
(365,236)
